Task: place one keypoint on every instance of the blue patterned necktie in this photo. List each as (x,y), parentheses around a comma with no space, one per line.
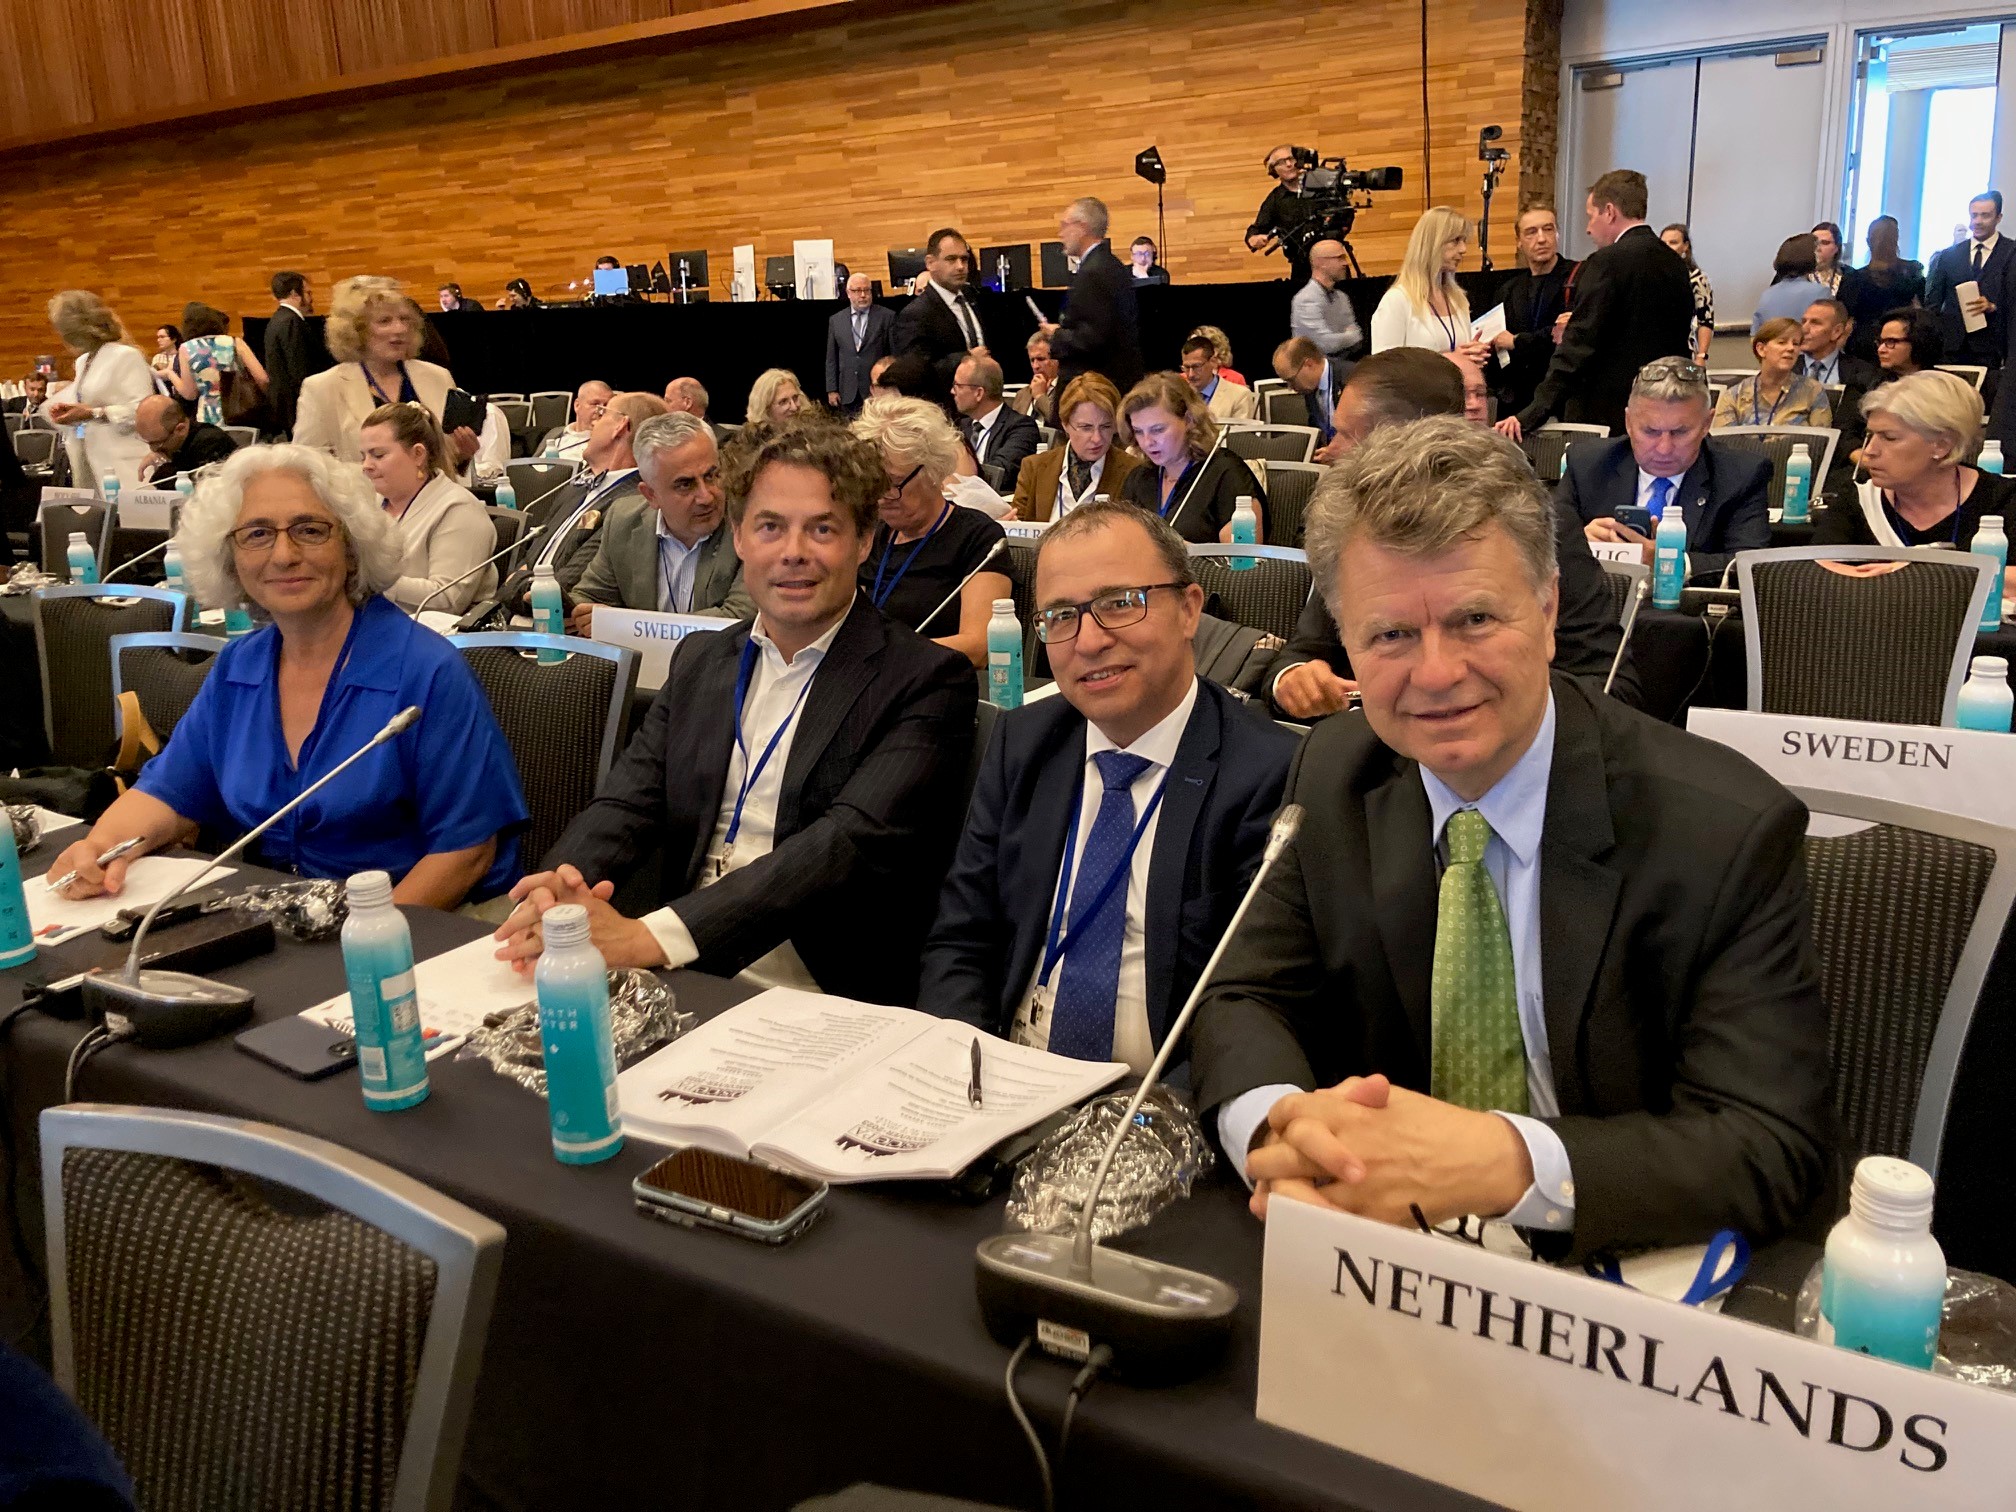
(1082,1023)
(1662,492)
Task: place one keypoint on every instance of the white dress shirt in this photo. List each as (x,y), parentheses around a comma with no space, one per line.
(963,315)
(1133,1041)
(773,698)
(983,432)
(568,446)
(1987,250)
(677,565)
(603,487)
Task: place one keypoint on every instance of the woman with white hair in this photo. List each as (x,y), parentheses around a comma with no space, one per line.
(374,333)
(442,527)
(439,807)
(925,545)
(1426,307)
(104,396)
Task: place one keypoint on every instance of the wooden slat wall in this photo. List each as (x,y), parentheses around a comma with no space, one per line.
(871,132)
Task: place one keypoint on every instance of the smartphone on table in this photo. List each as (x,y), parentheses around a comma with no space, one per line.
(700,1188)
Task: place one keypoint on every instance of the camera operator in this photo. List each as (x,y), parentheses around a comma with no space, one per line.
(1284,209)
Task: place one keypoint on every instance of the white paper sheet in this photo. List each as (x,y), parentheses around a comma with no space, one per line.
(457,991)
(148,881)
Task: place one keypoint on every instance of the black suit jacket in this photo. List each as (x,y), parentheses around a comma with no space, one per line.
(1685,1028)
(1101,328)
(1531,305)
(925,328)
(287,364)
(1955,266)
(203,445)
(1725,495)
(1633,302)
(1323,416)
(994,914)
(873,790)
(1014,437)
(847,369)
(1586,630)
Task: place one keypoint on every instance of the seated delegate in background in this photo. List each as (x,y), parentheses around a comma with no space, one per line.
(175,443)
(34,391)
(1089,463)
(1909,341)
(1222,345)
(1666,459)
(774,398)
(1550,961)
(589,502)
(817,865)
(1702,334)
(443,532)
(1038,397)
(925,544)
(1426,307)
(209,363)
(1319,379)
(439,807)
(1188,483)
(111,379)
(1224,398)
(518,295)
(373,332)
(564,442)
(1141,263)
(1886,282)
(1158,753)
(1795,283)
(670,548)
(994,434)
(1777,393)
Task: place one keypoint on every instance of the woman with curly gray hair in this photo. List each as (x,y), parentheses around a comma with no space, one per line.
(96,412)
(303,538)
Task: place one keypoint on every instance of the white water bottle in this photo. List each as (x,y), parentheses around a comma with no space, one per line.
(171,568)
(1245,532)
(1985,702)
(507,496)
(108,490)
(1883,1283)
(1004,657)
(184,485)
(1990,541)
(1990,460)
(548,612)
(82,559)
(1669,559)
(1798,485)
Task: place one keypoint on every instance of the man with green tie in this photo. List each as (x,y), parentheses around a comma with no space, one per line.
(1547,959)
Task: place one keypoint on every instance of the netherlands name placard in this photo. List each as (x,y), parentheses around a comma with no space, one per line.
(1547,1391)
(652,635)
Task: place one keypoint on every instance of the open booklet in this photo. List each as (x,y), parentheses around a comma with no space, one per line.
(846,1091)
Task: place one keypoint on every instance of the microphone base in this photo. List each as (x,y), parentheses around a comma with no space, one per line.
(164,1009)
(1164,1324)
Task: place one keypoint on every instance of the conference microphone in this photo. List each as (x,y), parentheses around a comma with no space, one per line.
(1162,1323)
(992,552)
(517,545)
(1640,591)
(161,1009)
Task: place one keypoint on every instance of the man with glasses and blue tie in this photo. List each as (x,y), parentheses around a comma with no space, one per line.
(1113,827)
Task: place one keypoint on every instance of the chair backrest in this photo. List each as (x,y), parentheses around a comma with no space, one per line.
(36,449)
(562,720)
(1906,917)
(1271,443)
(242,435)
(535,484)
(517,413)
(508,527)
(1265,386)
(1776,442)
(507,398)
(1269,596)
(165,671)
(1627,584)
(315,1348)
(60,520)
(1018,561)
(74,626)
(1547,448)
(1730,377)
(1972,372)
(1289,486)
(1892,648)
(12,421)
(1281,405)
(549,410)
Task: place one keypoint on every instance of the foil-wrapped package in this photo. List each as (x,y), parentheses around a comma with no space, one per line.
(644,1016)
(27,827)
(307,910)
(1977,1327)
(26,577)
(1158,1162)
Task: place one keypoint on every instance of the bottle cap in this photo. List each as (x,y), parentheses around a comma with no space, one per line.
(566,924)
(369,889)
(1005,606)
(1989,666)
(1890,1193)
(542,570)
(1244,501)
(1988,520)
(1799,450)
(77,539)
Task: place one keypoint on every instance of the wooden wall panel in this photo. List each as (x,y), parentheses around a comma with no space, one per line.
(42,81)
(541,20)
(379,34)
(143,54)
(871,132)
(292,46)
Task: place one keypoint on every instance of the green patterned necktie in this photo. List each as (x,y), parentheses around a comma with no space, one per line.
(1479,1052)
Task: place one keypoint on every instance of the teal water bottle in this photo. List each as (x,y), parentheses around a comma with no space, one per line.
(384,1006)
(1669,559)
(1798,485)
(237,622)
(574,1032)
(108,490)
(549,615)
(1558,476)
(1990,541)
(1985,701)
(185,486)
(1990,460)
(1883,1282)
(553,446)
(17,934)
(1004,656)
(507,496)
(1245,532)
(171,569)
(82,560)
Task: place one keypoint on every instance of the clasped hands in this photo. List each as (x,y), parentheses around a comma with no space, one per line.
(1368,1147)
(622,941)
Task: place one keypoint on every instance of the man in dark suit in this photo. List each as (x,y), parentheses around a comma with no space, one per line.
(1302,365)
(996,435)
(289,359)
(1633,302)
(802,776)
(608,482)
(855,338)
(941,324)
(1312,676)
(34,393)
(1987,259)
(1825,330)
(1534,298)
(1101,329)
(176,442)
(1134,741)
(1667,459)
(1550,959)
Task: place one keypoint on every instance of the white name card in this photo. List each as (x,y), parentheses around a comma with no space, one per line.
(1970,772)
(1547,1391)
(148,509)
(1025,530)
(1616,551)
(651,634)
(65,496)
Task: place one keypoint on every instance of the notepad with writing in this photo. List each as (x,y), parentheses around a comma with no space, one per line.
(846,1091)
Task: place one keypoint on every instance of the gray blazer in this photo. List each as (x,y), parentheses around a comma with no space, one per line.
(847,366)
(624,570)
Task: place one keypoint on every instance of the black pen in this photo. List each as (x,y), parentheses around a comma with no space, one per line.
(973,1086)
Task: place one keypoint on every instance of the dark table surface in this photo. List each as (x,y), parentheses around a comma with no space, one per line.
(634,1364)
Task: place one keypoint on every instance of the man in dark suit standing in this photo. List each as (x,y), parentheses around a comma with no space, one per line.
(1988,260)
(941,324)
(802,775)
(996,435)
(1633,302)
(856,338)
(1667,459)
(1534,298)
(1101,329)
(1549,959)
(288,359)
(1140,773)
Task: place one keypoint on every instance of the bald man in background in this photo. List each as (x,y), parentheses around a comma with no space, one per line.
(175,442)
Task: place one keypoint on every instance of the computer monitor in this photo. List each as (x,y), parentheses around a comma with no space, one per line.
(611,281)
(905,263)
(780,276)
(640,278)
(686,270)
(1004,269)
(1056,269)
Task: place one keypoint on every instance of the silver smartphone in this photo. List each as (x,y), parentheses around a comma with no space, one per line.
(698,1188)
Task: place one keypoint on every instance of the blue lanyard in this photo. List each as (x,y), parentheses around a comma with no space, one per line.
(1177,494)
(1756,392)
(1712,1278)
(1448,327)
(880,595)
(406,391)
(1059,942)
(752,771)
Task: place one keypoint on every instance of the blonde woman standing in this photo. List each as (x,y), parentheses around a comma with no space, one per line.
(95,410)
(373,332)
(1426,307)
